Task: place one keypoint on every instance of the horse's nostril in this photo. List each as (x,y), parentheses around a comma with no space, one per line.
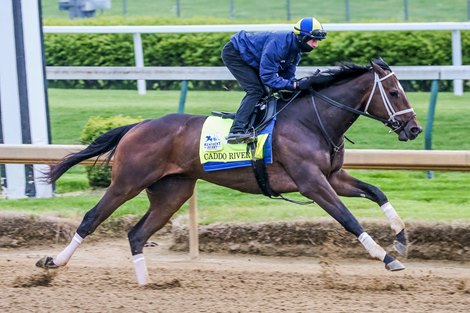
(416,130)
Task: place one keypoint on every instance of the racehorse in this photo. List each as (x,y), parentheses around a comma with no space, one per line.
(162,157)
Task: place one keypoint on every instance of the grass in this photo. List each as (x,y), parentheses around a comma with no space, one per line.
(327,11)
(444,198)
(414,197)
(70,109)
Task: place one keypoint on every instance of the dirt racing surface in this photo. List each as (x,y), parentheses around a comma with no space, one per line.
(100,278)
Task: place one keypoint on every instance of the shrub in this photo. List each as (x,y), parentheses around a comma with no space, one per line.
(100,175)
(203,49)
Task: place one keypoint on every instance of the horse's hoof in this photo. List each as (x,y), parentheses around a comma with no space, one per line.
(46,262)
(400,243)
(395,265)
(400,248)
(151,244)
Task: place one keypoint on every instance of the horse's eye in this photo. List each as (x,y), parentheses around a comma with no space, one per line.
(394,93)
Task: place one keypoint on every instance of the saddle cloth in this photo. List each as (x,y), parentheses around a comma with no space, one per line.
(216,154)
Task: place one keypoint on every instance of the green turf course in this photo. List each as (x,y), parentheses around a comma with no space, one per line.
(326,11)
(444,198)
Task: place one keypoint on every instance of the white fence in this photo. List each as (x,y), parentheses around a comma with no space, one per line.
(441,160)
(222,73)
(455,28)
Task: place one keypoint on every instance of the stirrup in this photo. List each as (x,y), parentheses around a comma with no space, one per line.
(223,114)
(237,138)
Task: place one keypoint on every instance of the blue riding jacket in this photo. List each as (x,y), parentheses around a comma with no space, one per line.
(275,54)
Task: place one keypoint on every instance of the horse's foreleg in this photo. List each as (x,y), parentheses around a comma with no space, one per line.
(316,187)
(112,199)
(348,186)
(166,197)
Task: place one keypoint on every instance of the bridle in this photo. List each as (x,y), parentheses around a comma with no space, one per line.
(392,122)
(395,125)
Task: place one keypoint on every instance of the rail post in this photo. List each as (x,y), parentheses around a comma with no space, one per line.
(430,119)
(457,60)
(405,5)
(193,228)
(232,9)
(184,92)
(288,9)
(139,61)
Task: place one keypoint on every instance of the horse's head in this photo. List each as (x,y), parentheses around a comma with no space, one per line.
(387,100)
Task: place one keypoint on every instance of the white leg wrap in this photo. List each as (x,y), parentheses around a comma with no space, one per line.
(140,269)
(63,257)
(395,221)
(373,248)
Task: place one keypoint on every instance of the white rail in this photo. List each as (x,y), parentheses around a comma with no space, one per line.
(222,73)
(444,160)
(455,27)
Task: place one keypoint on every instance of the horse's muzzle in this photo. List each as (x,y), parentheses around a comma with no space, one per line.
(410,131)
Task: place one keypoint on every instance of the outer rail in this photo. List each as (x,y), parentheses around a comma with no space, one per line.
(222,73)
(438,160)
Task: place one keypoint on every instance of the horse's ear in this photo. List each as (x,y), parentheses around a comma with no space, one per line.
(380,62)
(377,60)
(375,63)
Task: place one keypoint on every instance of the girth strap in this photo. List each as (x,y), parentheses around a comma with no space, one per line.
(261,175)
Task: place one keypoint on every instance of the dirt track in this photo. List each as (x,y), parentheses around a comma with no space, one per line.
(100,278)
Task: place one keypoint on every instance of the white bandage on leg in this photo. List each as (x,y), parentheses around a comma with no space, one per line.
(140,269)
(395,221)
(373,248)
(63,257)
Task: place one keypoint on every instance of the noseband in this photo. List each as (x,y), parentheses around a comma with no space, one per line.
(392,122)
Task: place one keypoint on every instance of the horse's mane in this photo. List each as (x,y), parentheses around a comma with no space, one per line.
(344,71)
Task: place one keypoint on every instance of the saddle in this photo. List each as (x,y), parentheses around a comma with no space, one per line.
(263,114)
(264,111)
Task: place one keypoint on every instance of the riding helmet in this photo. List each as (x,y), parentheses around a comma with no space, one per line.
(306,29)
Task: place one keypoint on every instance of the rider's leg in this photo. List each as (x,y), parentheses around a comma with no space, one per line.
(247,106)
(249,80)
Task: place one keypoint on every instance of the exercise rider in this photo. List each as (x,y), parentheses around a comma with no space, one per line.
(267,59)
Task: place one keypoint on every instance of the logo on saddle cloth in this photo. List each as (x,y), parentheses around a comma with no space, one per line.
(216,154)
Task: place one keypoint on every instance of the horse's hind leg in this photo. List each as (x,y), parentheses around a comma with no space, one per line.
(349,186)
(111,200)
(166,197)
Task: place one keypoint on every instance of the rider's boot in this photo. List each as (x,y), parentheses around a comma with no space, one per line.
(238,132)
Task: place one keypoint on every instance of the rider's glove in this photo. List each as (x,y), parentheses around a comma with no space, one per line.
(303,83)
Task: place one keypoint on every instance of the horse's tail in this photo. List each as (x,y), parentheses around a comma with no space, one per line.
(101,145)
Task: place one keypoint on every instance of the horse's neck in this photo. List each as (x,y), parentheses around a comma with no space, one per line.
(351,94)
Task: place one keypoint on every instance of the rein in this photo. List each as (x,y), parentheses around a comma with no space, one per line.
(348,108)
(336,147)
(282,109)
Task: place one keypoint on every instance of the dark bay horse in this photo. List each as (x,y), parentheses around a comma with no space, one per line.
(162,157)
